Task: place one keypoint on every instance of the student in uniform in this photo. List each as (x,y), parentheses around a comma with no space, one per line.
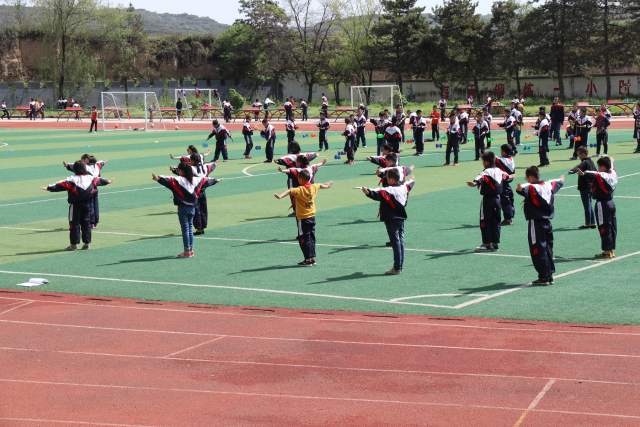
(412,123)
(94,169)
(269,133)
(32,109)
(350,141)
(392,135)
(257,104)
(291,128)
(325,106)
(508,166)
(400,119)
(543,139)
(453,140)
(186,188)
(539,210)
(226,110)
(221,133)
(509,126)
(80,188)
(487,118)
(583,127)
(443,106)
(604,183)
(361,124)
(463,121)
(480,130)
(179,109)
(418,134)
(584,187)
(490,182)
(487,103)
(291,161)
(323,126)
(288,107)
(515,112)
(435,124)
(380,126)
(571,118)
(470,100)
(557,119)
(381,160)
(305,109)
(602,132)
(364,108)
(191,150)
(5,110)
(636,126)
(305,196)
(247,132)
(391,162)
(393,201)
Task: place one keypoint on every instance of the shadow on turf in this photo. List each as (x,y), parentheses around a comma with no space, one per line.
(41,252)
(500,286)
(264,218)
(161,213)
(463,227)
(257,270)
(356,222)
(129,261)
(352,276)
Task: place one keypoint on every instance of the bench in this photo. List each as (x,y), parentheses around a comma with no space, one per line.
(116,112)
(626,107)
(22,110)
(77,111)
(211,110)
(339,112)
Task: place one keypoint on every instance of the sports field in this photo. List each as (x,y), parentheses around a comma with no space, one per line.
(249,253)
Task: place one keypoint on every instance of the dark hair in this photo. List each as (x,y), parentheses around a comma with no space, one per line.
(322,113)
(542,114)
(294,147)
(532,171)
(489,157)
(453,114)
(394,120)
(305,175)
(347,120)
(542,108)
(86,157)
(394,174)
(292,115)
(392,157)
(583,109)
(265,121)
(304,160)
(79,168)
(193,149)
(418,111)
(186,170)
(506,148)
(583,150)
(604,162)
(381,114)
(387,147)
(197,161)
(214,122)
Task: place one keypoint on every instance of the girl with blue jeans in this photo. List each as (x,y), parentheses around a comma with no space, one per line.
(186,188)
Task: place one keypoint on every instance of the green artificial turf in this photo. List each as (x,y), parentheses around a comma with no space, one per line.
(249,254)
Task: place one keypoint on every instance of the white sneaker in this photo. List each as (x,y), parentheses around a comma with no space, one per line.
(483,248)
(604,155)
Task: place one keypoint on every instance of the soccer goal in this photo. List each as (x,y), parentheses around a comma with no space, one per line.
(131,111)
(388,96)
(193,100)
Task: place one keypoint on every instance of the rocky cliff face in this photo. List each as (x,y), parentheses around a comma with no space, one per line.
(11,63)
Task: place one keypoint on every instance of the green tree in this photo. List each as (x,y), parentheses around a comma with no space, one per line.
(507,20)
(399,29)
(340,68)
(610,40)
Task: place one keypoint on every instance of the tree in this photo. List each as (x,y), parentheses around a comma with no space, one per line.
(507,19)
(399,29)
(340,68)
(241,54)
(19,12)
(610,42)
(311,31)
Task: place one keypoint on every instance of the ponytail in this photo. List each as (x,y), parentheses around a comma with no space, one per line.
(187,172)
(193,149)
(197,161)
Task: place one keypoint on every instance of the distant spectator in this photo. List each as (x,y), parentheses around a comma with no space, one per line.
(179,108)
(557,119)
(5,110)
(32,109)
(42,108)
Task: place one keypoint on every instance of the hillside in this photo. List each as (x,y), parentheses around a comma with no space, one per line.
(155,23)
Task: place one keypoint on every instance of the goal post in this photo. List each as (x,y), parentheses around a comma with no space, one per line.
(194,99)
(388,96)
(131,111)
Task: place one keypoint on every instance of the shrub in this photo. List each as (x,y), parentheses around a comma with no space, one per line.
(237,101)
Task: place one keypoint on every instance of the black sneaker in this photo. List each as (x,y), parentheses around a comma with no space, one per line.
(584,227)
(306,263)
(292,214)
(483,248)
(507,222)
(198,233)
(543,281)
(573,158)
(550,279)
(495,248)
(267,161)
(541,165)
(388,244)
(313,261)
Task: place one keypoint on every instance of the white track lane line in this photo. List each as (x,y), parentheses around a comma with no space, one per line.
(39,421)
(559,276)
(535,402)
(13,308)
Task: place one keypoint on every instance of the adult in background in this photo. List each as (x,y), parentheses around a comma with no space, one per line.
(557,119)
(42,108)
(179,108)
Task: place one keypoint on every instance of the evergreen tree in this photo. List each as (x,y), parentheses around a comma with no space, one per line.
(507,21)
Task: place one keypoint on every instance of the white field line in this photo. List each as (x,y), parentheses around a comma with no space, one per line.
(319,341)
(238,288)
(306,397)
(39,421)
(535,402)
(307,366)
(340,320)
(559,276)
(436,295)
(193,346)
(295,243)
(13,308)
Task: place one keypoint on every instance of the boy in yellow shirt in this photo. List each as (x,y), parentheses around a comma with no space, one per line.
(306,215)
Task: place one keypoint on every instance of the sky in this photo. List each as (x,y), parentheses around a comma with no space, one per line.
(226,11)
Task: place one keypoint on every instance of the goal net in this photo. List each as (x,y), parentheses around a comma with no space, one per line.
(194,99)
(131,111)
(386,96)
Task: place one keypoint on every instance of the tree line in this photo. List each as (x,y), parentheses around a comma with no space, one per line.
(334,42)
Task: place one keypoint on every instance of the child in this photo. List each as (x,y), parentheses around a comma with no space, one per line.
(191,150)
(605,110)
(364,108)
(94,119)
(247,132)
(305,215)
(393,201)
(470,100)
(435,124)
(636,126)
(42,109)
(602,133)
(583,127)
(257,104)
(509,126)
(418,134)
(221,133)
(443,106)
(323,126)
(519,120)
(604,184)
(201,213)
(571,117)
(508,166)
(186,189)
(463,121)
(269,133)
(178,109)
(80,189)
(350,141)
(543,139)
(453,140)
(412,123)
(305,108)
(302,163)
(392,135)
(584,187)
(400,117)
(5,110)
(487,118)
(490,183)
(291,128)
(226,110)
(361,123)
(380,126)
(391,163)
(94,168)
(480,130)
(288,108)
(325,106)
(381,160)
(557,119)
(487,103)
(539,210)
(291,161)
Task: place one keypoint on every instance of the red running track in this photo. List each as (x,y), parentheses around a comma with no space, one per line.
(77,360)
